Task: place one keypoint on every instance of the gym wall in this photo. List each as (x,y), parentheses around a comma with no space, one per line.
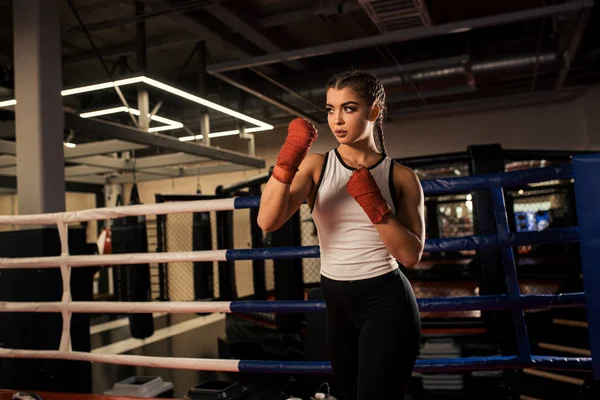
(9,205)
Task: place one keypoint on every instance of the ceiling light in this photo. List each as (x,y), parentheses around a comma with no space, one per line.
(107,111)
(165,128)
(206,103)
(100,86)
(69,145)
(170,124)
(8,103)
(221,134)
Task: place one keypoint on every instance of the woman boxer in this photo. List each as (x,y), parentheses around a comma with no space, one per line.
(368,211)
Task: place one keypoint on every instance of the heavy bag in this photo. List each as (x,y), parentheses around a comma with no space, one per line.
(203,270)
(129,236)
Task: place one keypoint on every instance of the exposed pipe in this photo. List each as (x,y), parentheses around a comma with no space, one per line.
(188,6)
(389,75)
(402,35)
(302,15)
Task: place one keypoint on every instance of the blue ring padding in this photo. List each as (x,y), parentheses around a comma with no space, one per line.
(503,362)
(483,303)
(465,184)
(282,306)
(435,365)
(502,302)
(285,367)
(504,179)
(477,242)
(246,202)
(272,253)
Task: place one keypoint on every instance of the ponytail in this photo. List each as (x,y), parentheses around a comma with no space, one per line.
(379,130)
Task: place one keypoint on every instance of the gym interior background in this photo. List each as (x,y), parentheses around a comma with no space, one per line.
(472,87)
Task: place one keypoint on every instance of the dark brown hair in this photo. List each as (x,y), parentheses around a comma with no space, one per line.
(370,88)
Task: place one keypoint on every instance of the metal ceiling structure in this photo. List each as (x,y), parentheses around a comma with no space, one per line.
(269,60)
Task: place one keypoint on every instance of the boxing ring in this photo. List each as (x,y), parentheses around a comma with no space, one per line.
(584,170)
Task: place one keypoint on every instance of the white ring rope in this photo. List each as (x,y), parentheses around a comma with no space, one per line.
(95,214)
(171,307)
(199,364)
(113,259)
(65,262)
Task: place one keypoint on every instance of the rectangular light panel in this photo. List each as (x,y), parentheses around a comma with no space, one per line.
(169,124)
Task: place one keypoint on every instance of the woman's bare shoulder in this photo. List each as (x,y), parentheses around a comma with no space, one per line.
(405,178)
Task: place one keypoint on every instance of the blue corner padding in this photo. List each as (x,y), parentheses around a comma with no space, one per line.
(286,367)
(435,365)
(505,179)
(443,304)
(281,306)
(586,170)
(246,202)
(272,253)
(478,242)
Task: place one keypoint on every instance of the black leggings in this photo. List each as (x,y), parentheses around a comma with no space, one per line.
(373,335)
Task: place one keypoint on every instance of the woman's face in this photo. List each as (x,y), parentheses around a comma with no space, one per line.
(348,115)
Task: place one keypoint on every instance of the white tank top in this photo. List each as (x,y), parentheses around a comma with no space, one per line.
(351,247)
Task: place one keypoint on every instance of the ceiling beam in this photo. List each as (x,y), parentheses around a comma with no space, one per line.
(118,164)
(227,14)
(101,147)
(128,49)
(402,35)
(70,172)
(8,147)
(82,150)
(168,160)
(7,161)
(208,170)
(130,134)
(261,96)
(205,30)
(303,14)
(159,174)
(83,170)
(7,129)
(569,42)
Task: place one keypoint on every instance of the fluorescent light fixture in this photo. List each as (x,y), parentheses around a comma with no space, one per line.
(460,30)
(100,86)
(220,134)
(8,103)
(206,103)
(69,145)
(177,92)
(107,111)
(169,124)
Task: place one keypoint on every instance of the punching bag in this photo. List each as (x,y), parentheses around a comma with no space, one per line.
(128,235)
(203,270)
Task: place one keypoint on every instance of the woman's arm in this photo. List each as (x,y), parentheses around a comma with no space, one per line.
(291,180)
(404,233)
(278,201)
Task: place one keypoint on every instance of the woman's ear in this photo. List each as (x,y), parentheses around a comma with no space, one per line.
(374,114)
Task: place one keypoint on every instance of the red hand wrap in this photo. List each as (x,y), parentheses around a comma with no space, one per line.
(365,191)
(301,135)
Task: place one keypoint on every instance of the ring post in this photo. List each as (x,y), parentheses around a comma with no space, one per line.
(510,274)
(586,171)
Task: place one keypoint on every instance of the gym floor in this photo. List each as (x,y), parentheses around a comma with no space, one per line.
(180,335)
(176,335)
